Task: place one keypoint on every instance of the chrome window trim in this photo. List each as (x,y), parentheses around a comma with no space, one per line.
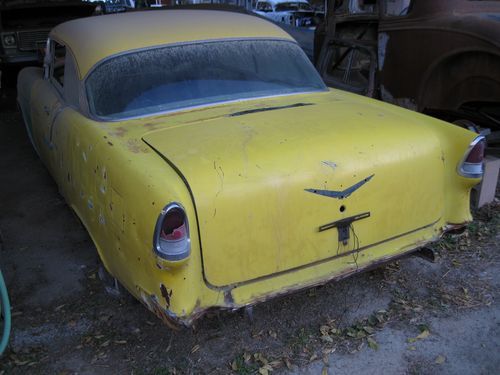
(94,117)
(157,231)
(460,170)
(214,104)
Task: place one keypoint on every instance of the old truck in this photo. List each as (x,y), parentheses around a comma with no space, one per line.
(25,26)
(440,57)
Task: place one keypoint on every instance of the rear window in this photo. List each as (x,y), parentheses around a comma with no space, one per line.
(187,75)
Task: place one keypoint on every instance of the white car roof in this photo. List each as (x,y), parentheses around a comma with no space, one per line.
(274,2)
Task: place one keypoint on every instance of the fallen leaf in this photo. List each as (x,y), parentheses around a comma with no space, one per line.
(425,333)
(324,371)
(246,357)
(325,359)
(324,330)
(368,329)
(264,370)
(275,364)
(259,357)
(105,343)
(287,363)
(234,365)
(440,359)
(195,349)
(372,343)
(327,338)
(412,347)
(20,363)
(257,334)
(120,342)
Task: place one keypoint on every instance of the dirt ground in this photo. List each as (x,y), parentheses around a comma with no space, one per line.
(408,317)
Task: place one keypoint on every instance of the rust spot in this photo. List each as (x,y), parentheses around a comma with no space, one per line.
(119,132)
(156,308)
(136,146)
(151,126)
(166,294)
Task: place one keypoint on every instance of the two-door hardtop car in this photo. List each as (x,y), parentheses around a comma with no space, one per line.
(213,168)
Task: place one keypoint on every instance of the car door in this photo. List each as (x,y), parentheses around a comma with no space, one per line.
(48,102)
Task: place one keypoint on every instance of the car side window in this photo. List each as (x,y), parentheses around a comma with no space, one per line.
(58,52)
(71,81)
(264,6)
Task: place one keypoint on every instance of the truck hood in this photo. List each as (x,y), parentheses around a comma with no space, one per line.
(265,181)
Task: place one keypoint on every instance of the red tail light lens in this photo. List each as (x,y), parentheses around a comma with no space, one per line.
(472,163)
(171,237)
(476,154)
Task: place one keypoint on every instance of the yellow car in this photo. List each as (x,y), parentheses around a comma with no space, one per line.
(213,168)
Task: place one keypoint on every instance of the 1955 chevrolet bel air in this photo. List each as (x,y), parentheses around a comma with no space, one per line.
(213,168)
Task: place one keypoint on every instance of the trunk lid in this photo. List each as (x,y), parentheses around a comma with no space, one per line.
(264,182)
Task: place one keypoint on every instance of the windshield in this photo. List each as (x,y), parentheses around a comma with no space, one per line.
(180,76)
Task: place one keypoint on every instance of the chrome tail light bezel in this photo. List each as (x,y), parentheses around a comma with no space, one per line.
(159,243)
(472,170)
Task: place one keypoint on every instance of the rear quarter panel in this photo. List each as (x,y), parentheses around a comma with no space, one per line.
(118,186)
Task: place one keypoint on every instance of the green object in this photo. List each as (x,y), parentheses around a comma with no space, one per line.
(5,310)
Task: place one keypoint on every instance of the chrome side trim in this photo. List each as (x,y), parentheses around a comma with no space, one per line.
(208,105)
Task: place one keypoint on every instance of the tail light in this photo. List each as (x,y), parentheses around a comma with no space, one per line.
(171,237)
(472,163)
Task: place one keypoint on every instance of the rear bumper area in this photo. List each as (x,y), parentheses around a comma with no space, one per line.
(337,267)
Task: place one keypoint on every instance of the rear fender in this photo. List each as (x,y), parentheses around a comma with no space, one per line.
(461,77)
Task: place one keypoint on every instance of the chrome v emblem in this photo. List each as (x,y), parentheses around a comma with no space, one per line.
(341,194)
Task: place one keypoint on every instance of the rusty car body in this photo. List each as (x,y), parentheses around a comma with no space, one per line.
(440,57)
(213,168)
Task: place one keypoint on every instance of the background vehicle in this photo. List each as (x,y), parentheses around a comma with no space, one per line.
(25,26)
(441,57)
(297,13)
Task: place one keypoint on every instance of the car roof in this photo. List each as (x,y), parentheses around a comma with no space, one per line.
(93,39)
(276,2)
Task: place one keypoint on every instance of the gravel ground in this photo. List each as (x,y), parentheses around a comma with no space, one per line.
(408,317)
